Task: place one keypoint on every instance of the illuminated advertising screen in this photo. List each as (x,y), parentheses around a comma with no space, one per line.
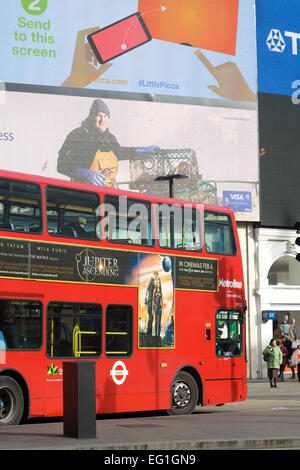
(195,48)
(176,81)
(59,136)
(278,50)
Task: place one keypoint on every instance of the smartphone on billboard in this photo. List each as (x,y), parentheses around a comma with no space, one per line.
(119,38)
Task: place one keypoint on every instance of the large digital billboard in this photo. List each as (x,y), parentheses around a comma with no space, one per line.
(195,48)
(54,135)
(278,50)
(278,46)
(176,81)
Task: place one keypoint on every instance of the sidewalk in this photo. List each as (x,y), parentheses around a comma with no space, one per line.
(269,417)
(260,389)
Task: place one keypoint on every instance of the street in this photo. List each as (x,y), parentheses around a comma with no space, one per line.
(268,419)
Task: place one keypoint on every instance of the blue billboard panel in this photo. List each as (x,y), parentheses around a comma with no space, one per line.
(278,46)
(239,201)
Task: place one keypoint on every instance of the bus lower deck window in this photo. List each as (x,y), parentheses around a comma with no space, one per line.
(118,332)
(21,324)
(74,330)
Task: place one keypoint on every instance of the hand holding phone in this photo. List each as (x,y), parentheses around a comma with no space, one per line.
(84,70)
(119,38)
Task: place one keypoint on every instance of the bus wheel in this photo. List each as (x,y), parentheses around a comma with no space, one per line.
(184,394)
(11,401)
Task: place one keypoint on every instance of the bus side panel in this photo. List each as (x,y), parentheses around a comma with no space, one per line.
(223,378)
(224,391)
(146,384)
(29,372)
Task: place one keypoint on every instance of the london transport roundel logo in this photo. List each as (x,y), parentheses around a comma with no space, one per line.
(119,372)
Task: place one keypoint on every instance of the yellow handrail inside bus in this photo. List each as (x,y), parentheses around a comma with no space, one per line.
(117,333)
(18,199)
(76,341)
(77,351)
(52,338)
(116,352)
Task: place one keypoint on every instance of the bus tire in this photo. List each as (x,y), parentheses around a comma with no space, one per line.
(184,394)
(11,401)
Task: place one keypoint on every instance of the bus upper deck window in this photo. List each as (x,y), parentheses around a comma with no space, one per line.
(128,220)
(179,227)
(218,233)
(72,213)
(20,206)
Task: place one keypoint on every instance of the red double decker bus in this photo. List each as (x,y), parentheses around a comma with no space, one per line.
(149,288)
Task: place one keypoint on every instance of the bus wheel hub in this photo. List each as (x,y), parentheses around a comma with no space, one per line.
(182,394)
(5,404)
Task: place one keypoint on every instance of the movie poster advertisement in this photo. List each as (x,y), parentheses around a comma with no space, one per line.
(156,278)
(152,274)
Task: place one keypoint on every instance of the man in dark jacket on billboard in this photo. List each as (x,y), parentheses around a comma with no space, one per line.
(91,153)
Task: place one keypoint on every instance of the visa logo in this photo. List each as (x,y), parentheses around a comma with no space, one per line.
(239,201)
(238,196)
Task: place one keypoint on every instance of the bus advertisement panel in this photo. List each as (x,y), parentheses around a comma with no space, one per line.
(71,264)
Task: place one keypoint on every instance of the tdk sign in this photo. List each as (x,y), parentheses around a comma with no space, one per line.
(276,42)
(278,46)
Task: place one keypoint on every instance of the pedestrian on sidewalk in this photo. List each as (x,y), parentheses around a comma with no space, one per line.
(285,326)
(284,353)
(293,339)
(273,356)
(295,361)
(287,343)
(293,330)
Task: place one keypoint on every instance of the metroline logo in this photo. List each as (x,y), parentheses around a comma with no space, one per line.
(227,283)
(276,42)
